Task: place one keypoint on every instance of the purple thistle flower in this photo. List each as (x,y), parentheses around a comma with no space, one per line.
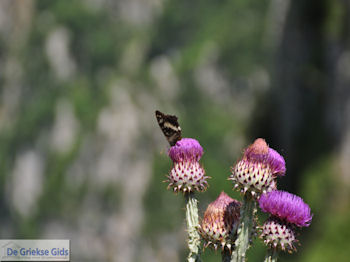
(186,149)
(286,206)
(259,151)
(187,175)
(257,170)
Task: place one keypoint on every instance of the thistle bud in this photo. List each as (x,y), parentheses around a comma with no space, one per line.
(220,222)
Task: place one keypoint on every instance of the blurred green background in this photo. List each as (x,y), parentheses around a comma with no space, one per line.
(81,154)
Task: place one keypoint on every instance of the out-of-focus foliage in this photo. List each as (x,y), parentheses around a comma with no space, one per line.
(82,157)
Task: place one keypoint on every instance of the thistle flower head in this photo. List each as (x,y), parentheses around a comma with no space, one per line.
(287,207)
(258,168)
(186,149)
(220,222)
(187,175)
(278,235)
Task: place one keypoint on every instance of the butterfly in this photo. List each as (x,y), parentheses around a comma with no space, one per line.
(170,127)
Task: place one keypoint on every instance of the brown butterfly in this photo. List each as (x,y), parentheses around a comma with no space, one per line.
(170,127)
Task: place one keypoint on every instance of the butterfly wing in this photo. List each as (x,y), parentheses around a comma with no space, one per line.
(169,126)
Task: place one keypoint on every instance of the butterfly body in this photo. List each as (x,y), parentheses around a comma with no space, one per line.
(169,126)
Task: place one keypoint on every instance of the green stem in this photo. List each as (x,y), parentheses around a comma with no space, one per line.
(194,239)
(225,255)
(245,229)
(271,255)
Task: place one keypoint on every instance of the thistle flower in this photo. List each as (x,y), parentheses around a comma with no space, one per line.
(186,149)
(258,168)
(187,175)
(287,211)
(220,222)
(287,207)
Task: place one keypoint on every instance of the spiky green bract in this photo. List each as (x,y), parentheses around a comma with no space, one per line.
(278,235)
(187,176)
